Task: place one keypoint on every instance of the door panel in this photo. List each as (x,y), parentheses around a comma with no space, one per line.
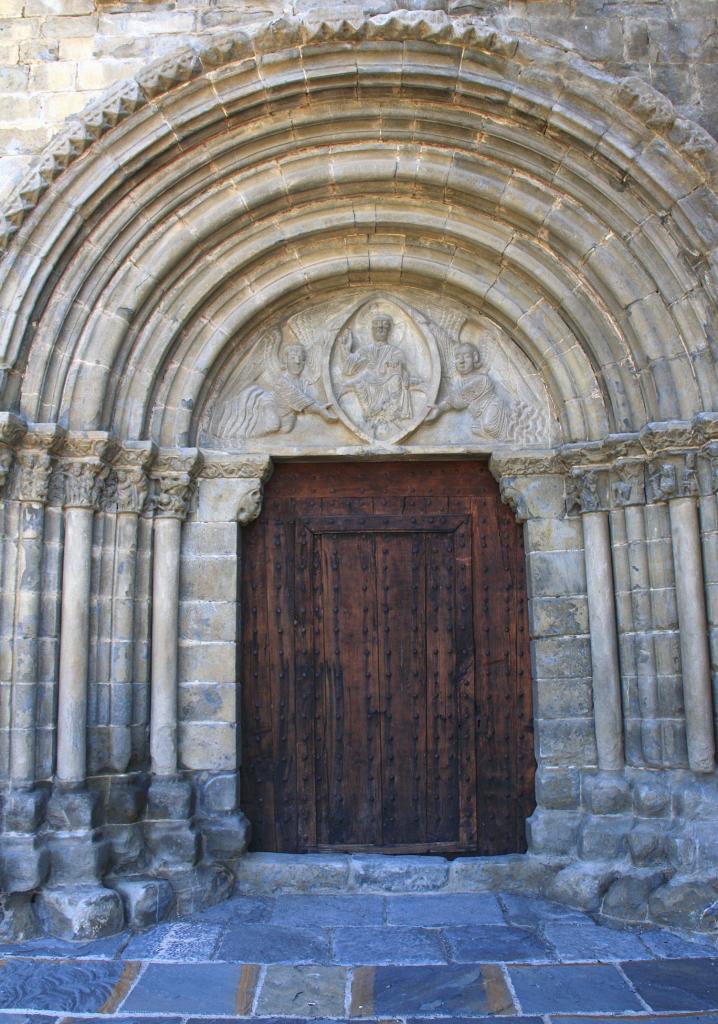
(384,669)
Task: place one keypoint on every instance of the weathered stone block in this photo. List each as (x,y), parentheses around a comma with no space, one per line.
(627,898)
(73,810)
(553,832)
(24,862)
(651,799)
(172,845)
(604,838)
(80,912)
(169,799)
(218,793)
(17,917)
(515,873)
(208,745)
(607,793)
(558,616)
(23,810)
(558,788)
(146,901)
(127,846)
(582,885)
(125,801)
(564,698)
(201,887)
(682,903)
(276,872)
(226,837)
(78,858)
(557,574)
(647,845)
(398,874)
(561,657)
(569,741)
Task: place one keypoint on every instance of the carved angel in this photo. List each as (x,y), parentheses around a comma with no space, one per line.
(470,385)
(258,410)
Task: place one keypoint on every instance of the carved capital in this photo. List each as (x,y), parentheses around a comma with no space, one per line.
(83,480)
(675,476)
(628,485)
(173,476)
(35,468)
(243,467)
(587,490)
(131,480)
(6,456)
(172,495)
(132,486)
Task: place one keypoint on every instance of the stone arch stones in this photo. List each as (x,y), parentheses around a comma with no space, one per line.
(190,273)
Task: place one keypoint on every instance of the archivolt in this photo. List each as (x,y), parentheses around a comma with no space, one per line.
(252,176)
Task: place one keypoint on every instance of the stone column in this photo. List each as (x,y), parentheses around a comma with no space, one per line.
(628,498)
(82,480)
(169,834)
(592,486)
(75,905)
(674,479)
(132,486)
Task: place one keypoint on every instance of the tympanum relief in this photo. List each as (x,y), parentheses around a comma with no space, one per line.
(378,370)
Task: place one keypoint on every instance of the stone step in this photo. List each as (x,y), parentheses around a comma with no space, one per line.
(306,872)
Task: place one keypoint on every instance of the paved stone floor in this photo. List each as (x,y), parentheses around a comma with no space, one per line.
(413,958)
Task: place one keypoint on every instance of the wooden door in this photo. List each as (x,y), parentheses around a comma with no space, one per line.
(386,692)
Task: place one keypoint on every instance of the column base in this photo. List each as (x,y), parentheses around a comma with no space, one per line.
(17,917)
(202,887)
(146,901)
(25,862)
(79,856)
(226,836)
(172,841)
(80,912)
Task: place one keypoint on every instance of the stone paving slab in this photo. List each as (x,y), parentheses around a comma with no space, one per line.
(444,990)
(448,909)
(89,986)
(676,984)
(499,943)
(573,988)
(194,988)
(388,946)
(378,958)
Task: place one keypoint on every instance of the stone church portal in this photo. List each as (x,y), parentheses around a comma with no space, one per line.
(396,250)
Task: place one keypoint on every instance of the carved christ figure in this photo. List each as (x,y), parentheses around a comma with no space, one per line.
(376,372)
(475,391)
(258,411)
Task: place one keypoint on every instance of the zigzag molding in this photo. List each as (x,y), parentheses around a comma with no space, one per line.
(631,94)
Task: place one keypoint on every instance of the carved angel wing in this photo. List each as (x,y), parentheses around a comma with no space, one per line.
(313,343)
(446,329)
(269,346)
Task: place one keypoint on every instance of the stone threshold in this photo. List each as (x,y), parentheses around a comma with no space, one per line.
(262,873)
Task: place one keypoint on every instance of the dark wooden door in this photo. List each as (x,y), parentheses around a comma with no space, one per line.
(386,692)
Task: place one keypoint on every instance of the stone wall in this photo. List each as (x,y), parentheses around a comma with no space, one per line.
(58,55)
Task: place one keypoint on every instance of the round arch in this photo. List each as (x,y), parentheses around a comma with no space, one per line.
(573,209)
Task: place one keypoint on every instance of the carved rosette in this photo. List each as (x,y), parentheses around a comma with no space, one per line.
(83,482)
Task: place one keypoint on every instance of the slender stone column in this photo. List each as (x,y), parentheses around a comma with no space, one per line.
(172,504)
(82,479)
(34,476)
(674,479)
(692,618)
(169,833)
(132,487)
(607,709)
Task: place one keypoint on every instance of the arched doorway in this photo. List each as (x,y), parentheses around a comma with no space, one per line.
(386,686)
